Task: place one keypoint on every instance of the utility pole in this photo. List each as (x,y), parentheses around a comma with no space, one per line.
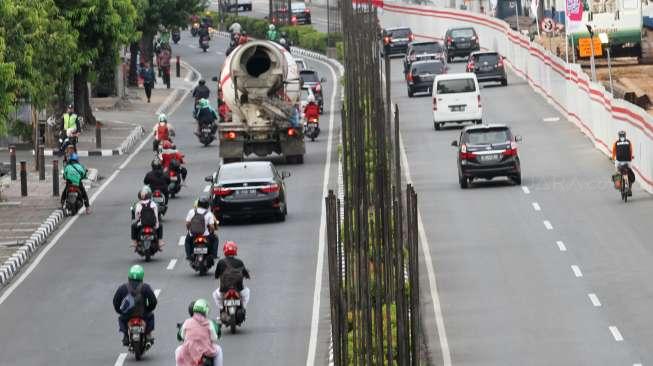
(592,65)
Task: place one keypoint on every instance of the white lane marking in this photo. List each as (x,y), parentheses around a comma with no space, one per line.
(616,334)
(121,359)
(561,246)
(171,265)
(576,270)
(536,206)
(426,252)
(317,291)
(181,241)
(594,299)
(637,364)
(157,292)
(206,189)
(526,190)
(551,119)
(70,223)
(547,225)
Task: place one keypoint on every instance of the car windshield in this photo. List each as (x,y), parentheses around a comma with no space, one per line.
(238,172)
(427,48)
(297,6)
(399,33)
(428,68)
(490,58)
(309,77)
(467,32)
(488,136)
(452,86)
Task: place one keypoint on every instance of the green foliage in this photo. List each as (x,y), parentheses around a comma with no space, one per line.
(7,86)
(168,13)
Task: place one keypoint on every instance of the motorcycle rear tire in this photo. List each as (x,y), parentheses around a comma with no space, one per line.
(138,350)
(233,328)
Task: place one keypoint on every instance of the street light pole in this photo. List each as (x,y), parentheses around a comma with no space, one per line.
(592,65)
(606,41)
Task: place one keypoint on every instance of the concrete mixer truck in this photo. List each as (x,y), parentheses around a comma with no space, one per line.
(261,86)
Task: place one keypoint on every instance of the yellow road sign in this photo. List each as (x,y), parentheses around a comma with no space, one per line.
(584,47)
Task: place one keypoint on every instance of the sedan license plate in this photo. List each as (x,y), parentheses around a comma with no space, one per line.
(241,192)
(232,302)
(260,137)
(463,45)
(457,108)
(489,157)
(201,250)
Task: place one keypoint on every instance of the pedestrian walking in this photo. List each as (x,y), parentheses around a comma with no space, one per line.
(149,79)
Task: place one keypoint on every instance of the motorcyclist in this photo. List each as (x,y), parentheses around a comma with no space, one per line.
(244,38)
(272,34)
(146,213)
(235,28)
(200,221)
(157,180)
(70,119)
(199,334)
(74,173)
(169,153)
(203,33)
(312,109)
(284,41)
(201,91)
(205,115)
(622,154)
(135,299)
(163,131)
(230,271)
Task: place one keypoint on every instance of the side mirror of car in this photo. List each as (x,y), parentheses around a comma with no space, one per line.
(215,78)
(323,80)
(209,179)
(285,174)
(454,143)
(518,138)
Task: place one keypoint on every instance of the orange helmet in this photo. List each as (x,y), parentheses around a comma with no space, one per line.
(230,249)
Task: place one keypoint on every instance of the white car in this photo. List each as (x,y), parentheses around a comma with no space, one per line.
(456,99)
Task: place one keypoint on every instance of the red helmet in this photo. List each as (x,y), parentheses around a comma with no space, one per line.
(166,144)
(230,249)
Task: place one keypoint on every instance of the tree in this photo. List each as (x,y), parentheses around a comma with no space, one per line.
(102,27)
(7,86)
(155,13)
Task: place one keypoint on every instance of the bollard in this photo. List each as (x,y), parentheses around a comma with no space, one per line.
(55,178)
(98,136)
(41,162)
(23,178)
(12,158)
(178,67)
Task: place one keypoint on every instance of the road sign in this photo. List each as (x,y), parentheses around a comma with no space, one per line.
(585,50)
(548,25)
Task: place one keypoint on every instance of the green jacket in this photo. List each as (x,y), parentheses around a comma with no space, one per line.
(74,173)
(272,35)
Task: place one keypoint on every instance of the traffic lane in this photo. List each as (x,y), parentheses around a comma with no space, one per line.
(319,18)
(499,278)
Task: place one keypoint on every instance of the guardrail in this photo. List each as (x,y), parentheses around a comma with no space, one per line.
(586,104)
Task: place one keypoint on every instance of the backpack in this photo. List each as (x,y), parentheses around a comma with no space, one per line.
(197,224)
(133,304)
(148,217)
(231,276)
(162,131)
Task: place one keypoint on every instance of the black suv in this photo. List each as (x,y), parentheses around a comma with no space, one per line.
(421,75)
(396,40)
(420,51)
(487,151)
(488,66)
(461,42)
(309,79)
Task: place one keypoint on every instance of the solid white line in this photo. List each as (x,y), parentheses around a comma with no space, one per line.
(171,265)
(616,334)
(594,299)
(70,223)
(536,206)
(525,189)
(576,270)
(317,291)
(551,119)
(561,246)
(637,364)
(157,292)
(181,241)
(547,225)
(206,189)
(121,359)
(426,252)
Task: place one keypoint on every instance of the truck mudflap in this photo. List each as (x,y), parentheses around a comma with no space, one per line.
(293,146)
(231,149)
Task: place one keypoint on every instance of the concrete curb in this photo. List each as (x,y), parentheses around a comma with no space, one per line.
(126,144)
(11,266)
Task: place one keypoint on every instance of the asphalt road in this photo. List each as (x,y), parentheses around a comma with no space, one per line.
(555,272)
(61,314)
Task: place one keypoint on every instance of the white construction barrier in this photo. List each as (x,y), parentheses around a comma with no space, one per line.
(565,86)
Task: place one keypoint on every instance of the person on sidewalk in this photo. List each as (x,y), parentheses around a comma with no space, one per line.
(74,173)
(149,79)
(135,299)
(163,131)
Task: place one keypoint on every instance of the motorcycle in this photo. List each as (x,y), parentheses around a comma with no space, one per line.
(204,43)
(195,29)
(312,128)
(65,141)
(201,260)
(207,134)
(232,314)
(206,361)
(73,201)
(159,198)
(176,36)
(148,243)
(138,340)
(175,186)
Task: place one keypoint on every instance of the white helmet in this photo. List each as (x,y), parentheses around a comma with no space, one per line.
(271,27)
(282,41)
(310,98)
(163,118)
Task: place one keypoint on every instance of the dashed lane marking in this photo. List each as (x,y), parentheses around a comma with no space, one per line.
(594,299)
(616,334)
(526,190)
(561,246)
(576,270)
(121,359)
(547,225)
(172,264)
(536,206)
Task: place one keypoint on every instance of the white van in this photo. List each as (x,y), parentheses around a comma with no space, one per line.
(456,99)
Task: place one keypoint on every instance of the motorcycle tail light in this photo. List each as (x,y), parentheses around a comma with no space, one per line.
(232,294)
(135,322)
(147,230)
(200,239)
(157,193)
(72,188)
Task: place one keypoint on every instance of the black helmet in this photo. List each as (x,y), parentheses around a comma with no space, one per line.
(70,106)
(622,133)
(284,34)
(203,202)
(202,82)
(156,164)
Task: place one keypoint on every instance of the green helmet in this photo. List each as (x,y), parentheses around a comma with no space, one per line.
(201,306)
(204,103)
(136,273)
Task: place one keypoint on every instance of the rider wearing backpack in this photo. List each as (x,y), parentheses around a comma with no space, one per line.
(146,213)
(200,221)
(135,299)
(231,271)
